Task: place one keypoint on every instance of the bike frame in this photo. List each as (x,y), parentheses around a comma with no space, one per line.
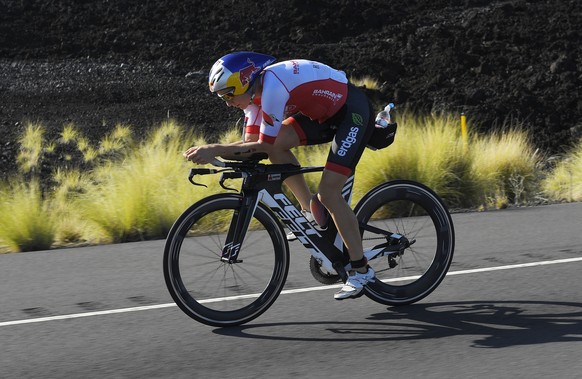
(265,185)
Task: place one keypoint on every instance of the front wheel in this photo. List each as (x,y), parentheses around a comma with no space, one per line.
(414,211)
(220,292)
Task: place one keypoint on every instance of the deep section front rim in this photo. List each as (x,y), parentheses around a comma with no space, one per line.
(218,292)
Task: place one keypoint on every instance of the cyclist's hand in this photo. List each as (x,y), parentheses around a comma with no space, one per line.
(200,154)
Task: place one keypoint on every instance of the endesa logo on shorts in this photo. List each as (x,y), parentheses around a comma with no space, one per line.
(348,141)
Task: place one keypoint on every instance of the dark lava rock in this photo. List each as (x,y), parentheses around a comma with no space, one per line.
(96,63)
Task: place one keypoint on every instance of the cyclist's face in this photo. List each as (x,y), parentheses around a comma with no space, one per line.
(239,101)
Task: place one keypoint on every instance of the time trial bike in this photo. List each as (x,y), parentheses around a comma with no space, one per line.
(226,258)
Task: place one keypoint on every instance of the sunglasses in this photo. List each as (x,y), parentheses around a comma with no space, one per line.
(227,96)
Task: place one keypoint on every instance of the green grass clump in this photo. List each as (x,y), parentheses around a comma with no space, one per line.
(504,168)
(69,185)
(141,196)
(69,134)
(129,190)
(565,180)
(365,81)
(125,189)
(484,171)
(28,222)
(426,149)
(231,135)
(31,147)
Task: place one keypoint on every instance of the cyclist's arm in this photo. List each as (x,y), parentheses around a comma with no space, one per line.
(253,119)
(250,137)
(274,99)
(238,150)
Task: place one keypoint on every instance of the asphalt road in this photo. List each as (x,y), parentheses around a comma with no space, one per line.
(511,306)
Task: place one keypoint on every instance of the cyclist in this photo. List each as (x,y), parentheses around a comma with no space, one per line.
(292,103)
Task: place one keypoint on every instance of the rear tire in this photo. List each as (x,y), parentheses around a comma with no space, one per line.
(416,212)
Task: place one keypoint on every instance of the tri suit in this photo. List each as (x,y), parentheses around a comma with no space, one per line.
(320,104)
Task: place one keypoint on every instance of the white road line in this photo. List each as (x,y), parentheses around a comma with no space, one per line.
(286,292)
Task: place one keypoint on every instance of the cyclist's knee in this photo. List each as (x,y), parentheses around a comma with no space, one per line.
(329,195)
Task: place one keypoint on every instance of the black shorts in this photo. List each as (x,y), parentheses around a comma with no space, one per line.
(349,130)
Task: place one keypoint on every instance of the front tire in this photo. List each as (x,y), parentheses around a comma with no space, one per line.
(216,292)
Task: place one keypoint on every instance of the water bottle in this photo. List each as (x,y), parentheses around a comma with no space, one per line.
(383,117)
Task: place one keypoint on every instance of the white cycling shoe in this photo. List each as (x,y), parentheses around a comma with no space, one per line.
(354,286)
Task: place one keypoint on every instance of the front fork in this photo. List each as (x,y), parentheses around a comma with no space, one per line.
(239,225)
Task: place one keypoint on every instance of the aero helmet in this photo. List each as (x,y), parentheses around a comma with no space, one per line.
(237,71)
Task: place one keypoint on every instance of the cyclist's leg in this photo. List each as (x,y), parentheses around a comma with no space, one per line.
(330,195)
(295,131)
(285,141)
(354,128)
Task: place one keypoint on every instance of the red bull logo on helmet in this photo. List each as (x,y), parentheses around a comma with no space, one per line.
(247,73)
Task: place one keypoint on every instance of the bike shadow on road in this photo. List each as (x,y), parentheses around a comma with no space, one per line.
(496,324)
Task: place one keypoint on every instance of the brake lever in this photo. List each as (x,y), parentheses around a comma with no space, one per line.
(200,171)
(230,175)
